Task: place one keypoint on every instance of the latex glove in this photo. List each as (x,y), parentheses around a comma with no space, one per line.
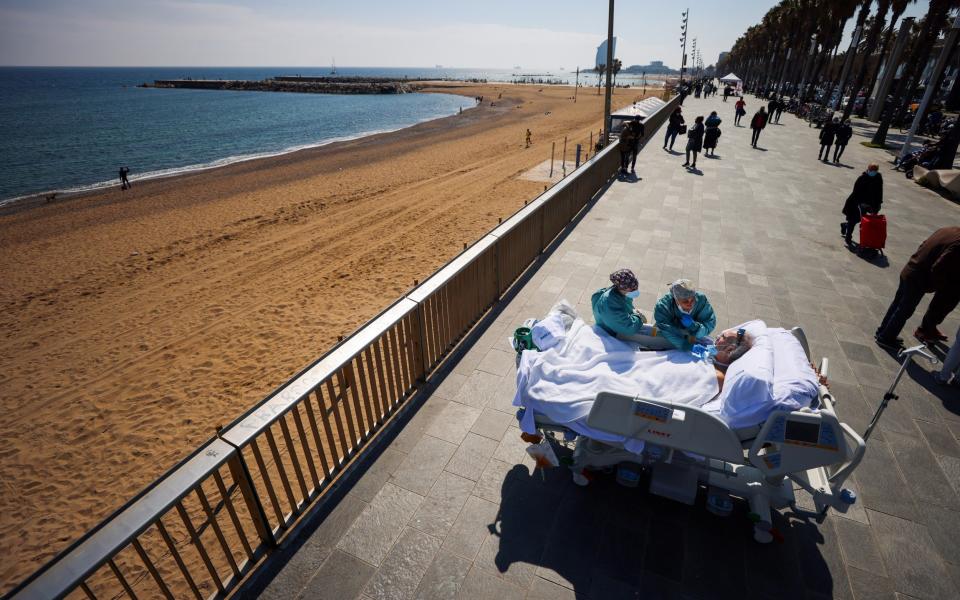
(686,320)
(703,352)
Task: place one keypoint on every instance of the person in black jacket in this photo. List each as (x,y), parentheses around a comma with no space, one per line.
(694,142)
(867,197)
(844,133)
(673,128)
(827,134)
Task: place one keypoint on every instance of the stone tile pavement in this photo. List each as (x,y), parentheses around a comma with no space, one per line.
(451,507)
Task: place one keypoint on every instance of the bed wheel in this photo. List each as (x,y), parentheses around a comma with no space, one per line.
(580,479)
(762,534)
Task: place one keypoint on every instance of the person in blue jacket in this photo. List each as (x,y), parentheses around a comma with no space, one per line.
(683,316)
(614,312)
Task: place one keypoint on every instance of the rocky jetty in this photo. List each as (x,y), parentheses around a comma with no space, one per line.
(302,85)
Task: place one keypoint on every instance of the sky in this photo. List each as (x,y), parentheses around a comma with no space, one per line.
(363,33)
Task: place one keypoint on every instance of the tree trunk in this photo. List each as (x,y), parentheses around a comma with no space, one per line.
(872,39)
(918,60)
(872,80)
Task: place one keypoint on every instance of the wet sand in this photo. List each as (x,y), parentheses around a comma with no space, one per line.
(135,322)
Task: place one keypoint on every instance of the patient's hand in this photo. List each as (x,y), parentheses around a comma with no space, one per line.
(820,378)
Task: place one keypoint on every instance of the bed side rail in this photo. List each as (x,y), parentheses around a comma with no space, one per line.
(677,426)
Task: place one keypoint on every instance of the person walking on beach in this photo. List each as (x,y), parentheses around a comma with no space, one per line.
(674,127)
(528,138)
(124,182)
(757,123)
(694,142)
(934,267)
(711,134)
(867,197)
(844,133)
(740,110)
(827,134)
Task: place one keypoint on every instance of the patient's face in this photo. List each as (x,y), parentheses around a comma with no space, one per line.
(726,343)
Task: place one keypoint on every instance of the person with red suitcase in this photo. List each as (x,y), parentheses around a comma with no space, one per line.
(866,199)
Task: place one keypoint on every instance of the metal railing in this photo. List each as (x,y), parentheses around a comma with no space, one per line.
(202,527)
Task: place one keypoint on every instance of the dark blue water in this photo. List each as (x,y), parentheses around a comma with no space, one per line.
(72,128)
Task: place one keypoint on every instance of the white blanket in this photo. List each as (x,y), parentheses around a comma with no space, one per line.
(562,381)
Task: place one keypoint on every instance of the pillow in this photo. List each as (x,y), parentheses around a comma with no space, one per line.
(795,383)
(747,393)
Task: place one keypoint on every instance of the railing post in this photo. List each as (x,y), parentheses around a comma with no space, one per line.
(241,474)
(422,328)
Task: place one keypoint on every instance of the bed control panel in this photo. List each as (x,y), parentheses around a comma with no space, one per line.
(794,441)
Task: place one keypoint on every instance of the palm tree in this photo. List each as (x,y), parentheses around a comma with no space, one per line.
(617,65)
(897,7)
(872,38)
(933,22)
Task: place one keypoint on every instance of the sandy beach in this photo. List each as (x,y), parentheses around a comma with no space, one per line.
(135,322)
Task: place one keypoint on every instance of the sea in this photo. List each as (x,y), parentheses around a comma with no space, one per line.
(71,129)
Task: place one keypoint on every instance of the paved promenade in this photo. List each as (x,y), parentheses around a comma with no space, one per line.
(451,508)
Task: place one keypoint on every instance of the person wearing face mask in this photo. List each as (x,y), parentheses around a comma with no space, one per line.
(613,311)
(867,196)
(683,315)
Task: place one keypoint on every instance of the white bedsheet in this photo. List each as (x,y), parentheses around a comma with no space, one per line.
(561,382)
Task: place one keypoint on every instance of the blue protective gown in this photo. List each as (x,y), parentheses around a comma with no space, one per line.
(613,312)
(667,317)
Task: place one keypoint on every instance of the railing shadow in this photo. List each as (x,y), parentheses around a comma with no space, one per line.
(609,541)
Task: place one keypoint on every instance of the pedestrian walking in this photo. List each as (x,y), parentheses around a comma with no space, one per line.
(625,145)
(844,133)
(867,197)
(638,134)
(726,92)
(711,134)
(674,127)
(124,182)
(757,123)
(694,142)
(934,267)
(827,135)
(529,135)
(772,107)
(740,110)
(683,93)
(780,106)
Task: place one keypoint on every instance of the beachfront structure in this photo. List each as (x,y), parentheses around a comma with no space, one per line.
(601,58)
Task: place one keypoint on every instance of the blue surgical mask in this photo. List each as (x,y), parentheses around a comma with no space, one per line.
(633,295)
(871,173)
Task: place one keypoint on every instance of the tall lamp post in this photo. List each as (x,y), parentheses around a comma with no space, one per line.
(683,41)
(606,100)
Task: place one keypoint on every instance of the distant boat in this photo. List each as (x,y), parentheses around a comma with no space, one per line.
(333,66)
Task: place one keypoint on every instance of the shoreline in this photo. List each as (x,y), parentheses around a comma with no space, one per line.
(34,199)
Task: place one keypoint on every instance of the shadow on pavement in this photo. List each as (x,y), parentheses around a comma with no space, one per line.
(608,541)
(949,395)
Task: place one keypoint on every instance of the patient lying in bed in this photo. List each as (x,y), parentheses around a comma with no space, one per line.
(754,373)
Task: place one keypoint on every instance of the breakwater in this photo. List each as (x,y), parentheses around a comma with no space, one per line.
(295,84)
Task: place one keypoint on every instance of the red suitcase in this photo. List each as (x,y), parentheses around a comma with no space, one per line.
(873,231)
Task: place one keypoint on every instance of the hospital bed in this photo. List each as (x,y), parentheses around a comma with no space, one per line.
(685,447)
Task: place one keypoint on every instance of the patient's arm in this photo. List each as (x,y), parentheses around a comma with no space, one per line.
(720,376)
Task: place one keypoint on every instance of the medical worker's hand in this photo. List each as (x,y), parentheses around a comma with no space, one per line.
(704,352)
(686,320)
